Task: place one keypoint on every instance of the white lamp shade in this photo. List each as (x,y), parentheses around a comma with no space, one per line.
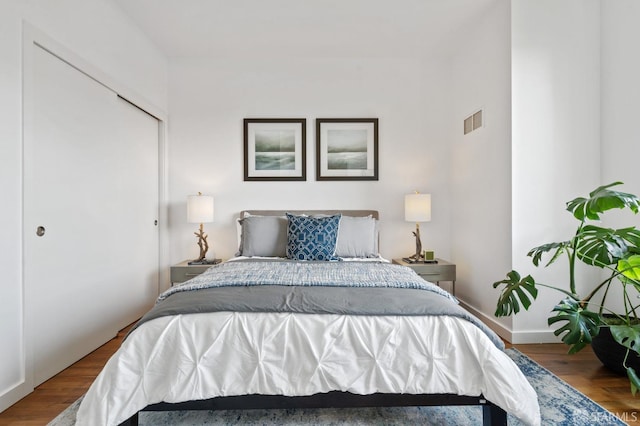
(199,208)
(417,207)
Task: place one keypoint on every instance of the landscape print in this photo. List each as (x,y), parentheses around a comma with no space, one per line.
(275,149)
(347,149)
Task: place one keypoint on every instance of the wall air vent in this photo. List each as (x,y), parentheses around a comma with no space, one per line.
(473,122)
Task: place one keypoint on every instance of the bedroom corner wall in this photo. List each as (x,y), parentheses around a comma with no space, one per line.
(481,162)
(620,98)
(98,32)
(556,136)
(210,97)
(620,94)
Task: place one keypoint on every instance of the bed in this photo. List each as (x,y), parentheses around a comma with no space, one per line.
(308,315)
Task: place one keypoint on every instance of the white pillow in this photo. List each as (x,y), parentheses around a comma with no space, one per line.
(263,236)
(357,237)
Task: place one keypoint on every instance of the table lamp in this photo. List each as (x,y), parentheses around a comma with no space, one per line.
(200,210)
(417,208)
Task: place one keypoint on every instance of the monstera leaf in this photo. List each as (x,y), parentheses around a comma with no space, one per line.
(630,267)
(581,325)
(537,252)
(600,247)
(629,337)
(514,293)
(634,380)
(601,200)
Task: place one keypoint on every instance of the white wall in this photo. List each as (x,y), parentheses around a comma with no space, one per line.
(210,97)
(621,94)
(620,99)
(480,166)
(556,135)
(100,34)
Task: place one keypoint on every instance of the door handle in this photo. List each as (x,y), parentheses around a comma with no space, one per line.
(40,230)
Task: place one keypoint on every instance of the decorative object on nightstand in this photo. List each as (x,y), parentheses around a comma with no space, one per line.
(429,256)
(417,208)
(184,271)
(200,210)
(442,270)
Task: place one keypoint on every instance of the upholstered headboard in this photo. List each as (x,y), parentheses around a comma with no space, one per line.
(355,213)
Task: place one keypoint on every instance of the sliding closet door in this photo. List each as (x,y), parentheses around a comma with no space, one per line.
(90,206)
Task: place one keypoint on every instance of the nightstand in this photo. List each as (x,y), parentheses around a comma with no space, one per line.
(183,271)
(433,272)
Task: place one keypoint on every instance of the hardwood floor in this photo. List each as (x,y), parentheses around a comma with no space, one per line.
(56,394)
(583,371)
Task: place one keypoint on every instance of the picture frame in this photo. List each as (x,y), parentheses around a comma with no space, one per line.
(275,149)
(347,149)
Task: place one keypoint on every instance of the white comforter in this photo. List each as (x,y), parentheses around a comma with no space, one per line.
(200,356)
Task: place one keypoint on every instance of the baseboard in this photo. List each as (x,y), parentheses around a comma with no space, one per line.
(514,337)
(14,394)
(534,336)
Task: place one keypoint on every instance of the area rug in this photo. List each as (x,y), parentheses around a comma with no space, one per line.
(560,405)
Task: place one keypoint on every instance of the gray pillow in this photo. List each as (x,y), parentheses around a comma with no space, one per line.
(264,236)
(357,237)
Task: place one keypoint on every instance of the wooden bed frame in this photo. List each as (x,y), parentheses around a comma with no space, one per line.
(492,415)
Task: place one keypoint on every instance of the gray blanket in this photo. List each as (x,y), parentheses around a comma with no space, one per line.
(293,273)
(316,299)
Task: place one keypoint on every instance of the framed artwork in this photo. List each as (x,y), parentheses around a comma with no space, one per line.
(347,149)
(275,149)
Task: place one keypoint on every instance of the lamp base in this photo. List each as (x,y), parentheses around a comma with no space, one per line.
(204,262)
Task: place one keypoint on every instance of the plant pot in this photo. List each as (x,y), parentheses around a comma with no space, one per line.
(611,353)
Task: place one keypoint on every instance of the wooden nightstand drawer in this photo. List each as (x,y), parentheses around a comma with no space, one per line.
(433,272)
(444,275)
(183,271)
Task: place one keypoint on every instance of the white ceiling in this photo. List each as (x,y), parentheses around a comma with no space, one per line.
(193,28)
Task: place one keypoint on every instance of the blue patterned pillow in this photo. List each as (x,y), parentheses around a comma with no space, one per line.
(312,238)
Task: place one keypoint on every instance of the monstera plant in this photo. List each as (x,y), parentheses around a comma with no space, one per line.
(579,318)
